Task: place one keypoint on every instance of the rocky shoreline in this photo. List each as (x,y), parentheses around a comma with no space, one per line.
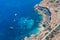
(51,16)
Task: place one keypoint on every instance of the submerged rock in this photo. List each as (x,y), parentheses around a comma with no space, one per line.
(26,23)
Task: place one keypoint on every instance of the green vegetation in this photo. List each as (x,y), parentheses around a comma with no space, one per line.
(56,11)
(50,28)
(56,31)
(58,28)
(51,1)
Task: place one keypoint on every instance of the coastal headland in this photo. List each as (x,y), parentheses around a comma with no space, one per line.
(50,9)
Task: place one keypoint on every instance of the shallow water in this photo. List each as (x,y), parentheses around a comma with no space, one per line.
(11,12)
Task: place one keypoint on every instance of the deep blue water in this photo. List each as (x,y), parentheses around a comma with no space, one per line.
(17,30)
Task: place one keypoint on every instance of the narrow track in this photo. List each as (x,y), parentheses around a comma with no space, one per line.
(50,32)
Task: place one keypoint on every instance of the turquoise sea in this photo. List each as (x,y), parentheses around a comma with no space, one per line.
(18,19)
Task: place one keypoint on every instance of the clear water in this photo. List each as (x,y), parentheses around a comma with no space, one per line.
(11,29)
